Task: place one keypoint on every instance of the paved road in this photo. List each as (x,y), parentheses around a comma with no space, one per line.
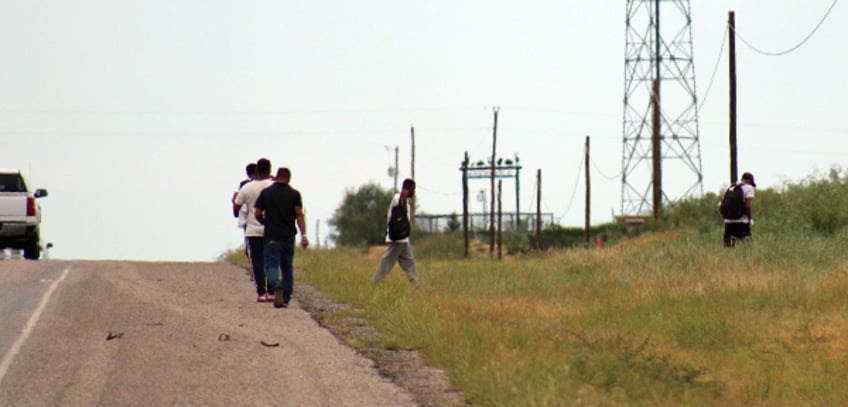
(181,334)
(22,286)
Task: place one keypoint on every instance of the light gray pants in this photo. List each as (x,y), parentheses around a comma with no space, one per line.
(397,252)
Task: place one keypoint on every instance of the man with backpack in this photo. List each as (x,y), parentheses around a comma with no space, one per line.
(399,218)
(735,208)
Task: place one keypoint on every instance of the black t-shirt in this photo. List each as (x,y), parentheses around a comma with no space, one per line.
(278,202)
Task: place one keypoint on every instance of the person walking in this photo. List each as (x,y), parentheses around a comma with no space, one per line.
(254,230)
(280,208)
(399,249)
(250,170)
(739,228)
(241,214)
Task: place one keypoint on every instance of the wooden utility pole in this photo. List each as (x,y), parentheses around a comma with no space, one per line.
(493,165)
(732,34)
(412,161)
(655,100)
(587,226)
(517,220)
(412,169)
(500,219)
(657,151)
(465,201)
(539,210)
(397,169)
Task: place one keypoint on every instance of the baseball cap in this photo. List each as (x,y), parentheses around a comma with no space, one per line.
(750,177)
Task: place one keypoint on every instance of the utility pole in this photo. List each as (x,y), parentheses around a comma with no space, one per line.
(539,210)
(657,151)
(732,34)
(517,198)
(588,195)
(493,164)
(465,201)
(317,234)
(500,219)
(412,168)
(396,168)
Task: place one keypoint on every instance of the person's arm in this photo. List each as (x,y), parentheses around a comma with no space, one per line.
(301,224)
(748,212)
(260,216)
(238,201)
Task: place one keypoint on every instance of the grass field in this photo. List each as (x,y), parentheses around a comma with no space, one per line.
(667,318)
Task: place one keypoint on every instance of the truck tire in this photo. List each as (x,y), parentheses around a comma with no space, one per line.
(32,251)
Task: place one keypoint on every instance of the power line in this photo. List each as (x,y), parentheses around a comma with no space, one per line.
(438,192)
(594,164)
(715,69)
(573,191)
(775,54)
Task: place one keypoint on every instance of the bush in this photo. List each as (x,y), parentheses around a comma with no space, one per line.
(817,205)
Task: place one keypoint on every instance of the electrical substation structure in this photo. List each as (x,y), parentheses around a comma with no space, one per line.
(502,169)
(661,134)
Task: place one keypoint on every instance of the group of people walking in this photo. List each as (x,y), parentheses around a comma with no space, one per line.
(270,212)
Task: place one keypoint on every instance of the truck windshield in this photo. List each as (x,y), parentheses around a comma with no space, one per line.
(12,183)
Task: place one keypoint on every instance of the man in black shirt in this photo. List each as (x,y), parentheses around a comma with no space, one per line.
(280,208)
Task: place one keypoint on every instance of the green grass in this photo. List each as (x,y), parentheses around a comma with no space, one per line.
(667,318)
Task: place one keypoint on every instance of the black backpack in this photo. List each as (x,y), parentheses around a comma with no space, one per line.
(733,203)
(399,223)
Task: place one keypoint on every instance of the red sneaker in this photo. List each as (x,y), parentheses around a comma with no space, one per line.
(262,298)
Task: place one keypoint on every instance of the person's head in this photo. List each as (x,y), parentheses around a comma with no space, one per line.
(748,178)
(263,167)
(283,175)
(250,170)
(409,186)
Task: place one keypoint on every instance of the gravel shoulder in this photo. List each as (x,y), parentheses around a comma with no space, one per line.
(429,387)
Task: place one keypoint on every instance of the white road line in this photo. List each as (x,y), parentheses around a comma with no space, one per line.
(10,356)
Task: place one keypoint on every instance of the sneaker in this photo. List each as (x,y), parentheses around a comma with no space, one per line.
(270,297)
(262,298)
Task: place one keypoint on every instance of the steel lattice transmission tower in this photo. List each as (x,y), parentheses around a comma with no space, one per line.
(659,57)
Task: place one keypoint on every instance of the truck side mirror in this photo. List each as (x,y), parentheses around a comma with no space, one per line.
(40,193)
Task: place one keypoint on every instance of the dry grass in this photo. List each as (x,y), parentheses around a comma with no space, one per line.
(666,319)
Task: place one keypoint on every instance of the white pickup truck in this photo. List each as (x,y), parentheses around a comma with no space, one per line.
(20,215)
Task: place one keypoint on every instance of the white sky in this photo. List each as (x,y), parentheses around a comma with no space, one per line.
(139,117)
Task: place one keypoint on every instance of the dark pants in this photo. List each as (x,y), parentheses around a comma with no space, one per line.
(257,261)
(279,255)
(734,232)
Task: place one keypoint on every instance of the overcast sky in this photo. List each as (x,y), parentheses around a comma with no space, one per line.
(139,117)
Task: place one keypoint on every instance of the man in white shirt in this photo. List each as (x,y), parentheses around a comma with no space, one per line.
(399,250)
(254,230)
(241,215)
(740,229)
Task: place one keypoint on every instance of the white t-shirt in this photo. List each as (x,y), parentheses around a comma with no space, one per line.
(396,202)
(242,217)
(747,192)
(247,196)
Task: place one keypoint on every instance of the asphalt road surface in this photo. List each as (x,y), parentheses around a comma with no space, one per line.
(115,333)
